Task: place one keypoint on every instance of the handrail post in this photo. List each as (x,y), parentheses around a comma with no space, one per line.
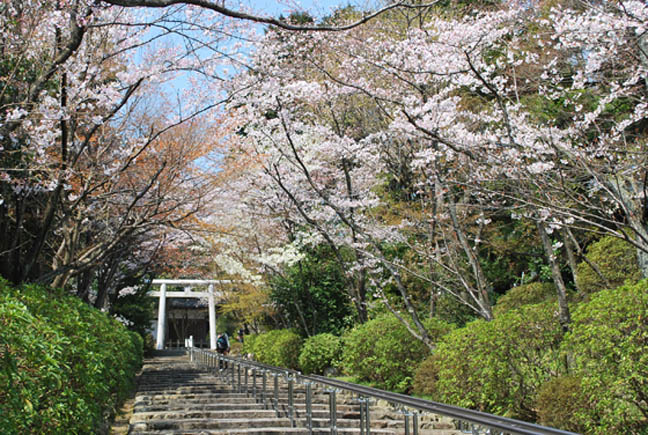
(406,415)
(276,392)
(245,370)
(264,391)
(415,428)
(367,415)
(254,383)
(309,406)
(238,376)
(364,427)
(291,400)
(332,412)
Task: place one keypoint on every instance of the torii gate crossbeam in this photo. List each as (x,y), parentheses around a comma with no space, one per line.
(210,294)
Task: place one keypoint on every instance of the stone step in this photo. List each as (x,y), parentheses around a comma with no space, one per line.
(214,389)
(221,415)
(268,431)
(177,397)
(172,406)
(171,394)
(207,423)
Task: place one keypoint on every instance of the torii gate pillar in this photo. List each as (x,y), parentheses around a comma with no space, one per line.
(162,318)
(212,318)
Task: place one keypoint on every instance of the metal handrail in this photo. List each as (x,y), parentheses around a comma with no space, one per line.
(504,424)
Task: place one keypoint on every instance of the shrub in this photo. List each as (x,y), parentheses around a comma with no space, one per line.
(617,261)
(426,377)
(279,348)
(608,345)
(65,365)
(320,352)
(558,400)
(248,344)
(498,366)
(382,351)
(526,294)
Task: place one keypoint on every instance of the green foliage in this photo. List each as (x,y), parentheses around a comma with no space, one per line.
(497,366)
(617,261)
(320,352)
(525,294)
(227,322)
(65,365)
(311,294)
(426,377)
(450,309)
(137,308)
(249,343)
(608,344)
(383,351)
(558,400)
(280,348)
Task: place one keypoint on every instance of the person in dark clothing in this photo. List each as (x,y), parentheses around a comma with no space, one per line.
(222,347)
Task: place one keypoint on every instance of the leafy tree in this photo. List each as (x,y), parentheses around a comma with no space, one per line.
(311,294)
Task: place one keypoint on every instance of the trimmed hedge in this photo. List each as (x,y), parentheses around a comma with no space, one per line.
(320,352)
(65,365)
(279,348)
(496,366)
(526,294)
(383,352)
(608,346)
(617,261)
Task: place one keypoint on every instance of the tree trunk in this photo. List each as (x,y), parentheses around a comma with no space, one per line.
(564,315)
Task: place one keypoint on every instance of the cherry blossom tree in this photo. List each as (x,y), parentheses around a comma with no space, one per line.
(527,109)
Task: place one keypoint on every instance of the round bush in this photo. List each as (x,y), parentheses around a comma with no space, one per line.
(526,294)
(279,348)
(617,261)
(382,351)
(608,345)
(320,352)
(498,366)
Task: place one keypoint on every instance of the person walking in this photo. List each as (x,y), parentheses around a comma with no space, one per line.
(223,348)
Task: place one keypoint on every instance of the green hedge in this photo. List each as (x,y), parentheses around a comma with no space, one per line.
(320,352)
(382,351)
(65,365)
(280,348)
(608,347)
(496,366)
(617,261)
(526,294)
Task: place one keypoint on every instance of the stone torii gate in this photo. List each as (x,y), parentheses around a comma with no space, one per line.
(188,292)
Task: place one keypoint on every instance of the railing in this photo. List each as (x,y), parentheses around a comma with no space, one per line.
(468,421)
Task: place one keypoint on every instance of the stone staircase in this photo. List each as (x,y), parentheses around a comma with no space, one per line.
(176,396)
